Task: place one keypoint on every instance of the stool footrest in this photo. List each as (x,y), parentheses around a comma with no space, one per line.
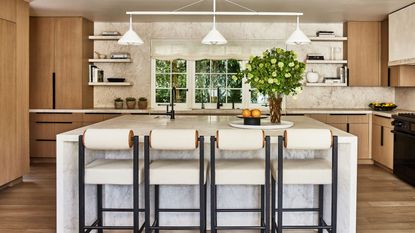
(175,228)
(238,210)
(299,210)
(305,227)
(166,210)
(240,228)
(120,210)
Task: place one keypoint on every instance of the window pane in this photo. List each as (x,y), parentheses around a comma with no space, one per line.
(214,95)
(179,66)
(179,80)
(202,80)
(234,66)
(235,96)
(203,66)
(181,96)
(162,81)
(163,96)
(218,66)
(218,80)
(162,66)
(234,83)
(202,95)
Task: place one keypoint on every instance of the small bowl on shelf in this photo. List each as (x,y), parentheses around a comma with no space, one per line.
(252,120)
(384,107)
(116,80)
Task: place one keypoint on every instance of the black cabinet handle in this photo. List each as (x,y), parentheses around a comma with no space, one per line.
(389,76)
(348,127)
(381,135)
(53,90)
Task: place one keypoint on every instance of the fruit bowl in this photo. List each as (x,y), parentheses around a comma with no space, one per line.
(382,106)
(252,120)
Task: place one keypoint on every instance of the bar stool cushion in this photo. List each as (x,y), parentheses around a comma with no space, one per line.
(240,172)
(304,171)
(174,139)
(239,139)
(108,139)
(176,172)
(112,171)
(308,139)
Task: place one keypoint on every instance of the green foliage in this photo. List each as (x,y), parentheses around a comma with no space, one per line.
(142,99)
(130,99)
(118,99)
(277,72)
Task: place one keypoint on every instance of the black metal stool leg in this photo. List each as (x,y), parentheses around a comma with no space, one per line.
(212,186)
(202,208)
(156,206)
(267,181)
(280,184)
(320,206)
(99,208)
(273,204)
(334,185)
(262,208)
(81,181)
(147,184)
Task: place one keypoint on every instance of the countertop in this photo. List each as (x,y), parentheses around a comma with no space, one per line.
(224,111)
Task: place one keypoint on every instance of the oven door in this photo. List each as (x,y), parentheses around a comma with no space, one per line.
(404,156)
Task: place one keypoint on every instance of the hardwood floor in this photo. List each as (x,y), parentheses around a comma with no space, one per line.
(385,204)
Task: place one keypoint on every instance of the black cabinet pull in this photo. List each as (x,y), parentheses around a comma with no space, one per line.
(389,76)
(381,135)
(53,90)
(348,127)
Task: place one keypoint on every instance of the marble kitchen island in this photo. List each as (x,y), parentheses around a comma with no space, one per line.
(187,196)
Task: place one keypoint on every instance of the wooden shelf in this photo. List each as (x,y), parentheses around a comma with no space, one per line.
(326,61)
(326,84)
(104,37)
(109,60)
(110,84)
(328,39)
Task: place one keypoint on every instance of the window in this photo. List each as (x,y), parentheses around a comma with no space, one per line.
(212,76)
(204,78)
(170,74)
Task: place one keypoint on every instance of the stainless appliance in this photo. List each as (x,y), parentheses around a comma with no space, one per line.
(404,147)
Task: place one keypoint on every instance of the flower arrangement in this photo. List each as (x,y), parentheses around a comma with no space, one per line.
(277,72)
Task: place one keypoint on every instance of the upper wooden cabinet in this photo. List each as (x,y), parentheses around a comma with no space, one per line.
(362,50)
(402,36)
(8,10)
(59,52)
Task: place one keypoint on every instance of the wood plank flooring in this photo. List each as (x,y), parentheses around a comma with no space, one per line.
(385,204)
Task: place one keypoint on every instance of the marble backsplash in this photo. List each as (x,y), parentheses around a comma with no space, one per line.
(405,98)
(139,71)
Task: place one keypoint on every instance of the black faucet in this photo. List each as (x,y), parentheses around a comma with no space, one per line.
(172,100)
(218,103)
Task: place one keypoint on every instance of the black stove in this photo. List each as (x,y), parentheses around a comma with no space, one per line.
(404,147)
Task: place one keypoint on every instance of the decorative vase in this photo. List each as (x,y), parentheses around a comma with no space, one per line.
(131,104)
(118,104)
(142,104)
(275,107)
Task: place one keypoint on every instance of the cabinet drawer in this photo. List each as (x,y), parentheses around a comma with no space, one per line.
(358,119)
(56,117)
(63,127)
(318,117)
(40,148)
(40,130)
(336,119)
(383,121)
(92,118)
(110,116)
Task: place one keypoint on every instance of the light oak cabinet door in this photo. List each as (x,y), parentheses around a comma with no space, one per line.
(42,62)
(377,142)
(362,50)
(341,126)
(8,10)
(388,147)
(383,139)
(362,133)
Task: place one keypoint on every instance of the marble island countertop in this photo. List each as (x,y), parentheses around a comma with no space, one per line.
(224,111)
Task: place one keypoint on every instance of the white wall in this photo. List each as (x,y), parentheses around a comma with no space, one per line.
(139,71)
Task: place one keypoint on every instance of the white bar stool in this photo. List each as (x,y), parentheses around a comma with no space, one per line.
(109,172)
(305,172)
(241,172)
(174,172)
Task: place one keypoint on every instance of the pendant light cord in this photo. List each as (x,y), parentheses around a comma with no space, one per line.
(214,14)
(131,22)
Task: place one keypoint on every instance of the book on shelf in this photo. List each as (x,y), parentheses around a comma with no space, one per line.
(95,74)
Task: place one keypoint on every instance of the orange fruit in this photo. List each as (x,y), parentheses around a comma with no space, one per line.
(256,113)
(246,113)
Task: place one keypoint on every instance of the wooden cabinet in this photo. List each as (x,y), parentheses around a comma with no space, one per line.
(45,126)
(382,141)
(357,124)
(402,76)
(14,80)
(59,52)
(362,50)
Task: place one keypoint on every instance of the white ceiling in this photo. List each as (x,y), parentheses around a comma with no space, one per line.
(314,10)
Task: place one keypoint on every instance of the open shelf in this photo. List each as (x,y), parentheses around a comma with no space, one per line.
(326,84)
(104,37)
(110,84)
(328,39)
(109,60)
(326,61)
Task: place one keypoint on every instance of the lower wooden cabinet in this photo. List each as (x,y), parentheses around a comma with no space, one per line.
(382,141)
(45,126)
(356,124)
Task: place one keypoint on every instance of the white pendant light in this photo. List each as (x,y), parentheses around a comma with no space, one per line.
(214,37)
(298,37)
(130,37)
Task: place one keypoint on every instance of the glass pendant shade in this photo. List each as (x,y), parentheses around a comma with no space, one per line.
(130,37)
(298,37)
